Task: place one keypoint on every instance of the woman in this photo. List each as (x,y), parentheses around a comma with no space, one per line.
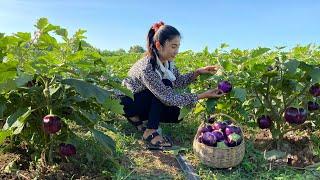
(153,79)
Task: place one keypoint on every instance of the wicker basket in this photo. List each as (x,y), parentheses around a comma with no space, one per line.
(218,157)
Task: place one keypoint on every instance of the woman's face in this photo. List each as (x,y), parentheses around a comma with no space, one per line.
(169,50)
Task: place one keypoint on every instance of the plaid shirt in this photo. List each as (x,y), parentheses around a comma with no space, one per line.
(142,77)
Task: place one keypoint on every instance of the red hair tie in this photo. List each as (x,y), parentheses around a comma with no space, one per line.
(156,26)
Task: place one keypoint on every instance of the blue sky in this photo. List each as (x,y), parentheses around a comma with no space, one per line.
(114,24)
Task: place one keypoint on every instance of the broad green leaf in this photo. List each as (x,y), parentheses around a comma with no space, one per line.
(292,65)
(274,154)
(8,70)
(124,90)
(23,36)
(53,90)
(259,51)
(23,79)
(80,34)
(315,75)
(62,32)
(270,74)
(224,45)
(42,23)
(81,120)
(305,67)
(88,90)
(12,84)
(17,120)
(108,126)
(4,134)
(184,112)
(240,93)
(204,77)
(50,27)
(199,108)
(91,116)
(48,40)
(8,85)
(7,75)
(211,105)
(114,106)
(105,140)
(228,66)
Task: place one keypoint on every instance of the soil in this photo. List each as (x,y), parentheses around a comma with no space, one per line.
(140,161)
(298,147)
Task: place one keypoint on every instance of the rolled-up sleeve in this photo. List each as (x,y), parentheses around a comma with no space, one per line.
(165,93)
(184,80)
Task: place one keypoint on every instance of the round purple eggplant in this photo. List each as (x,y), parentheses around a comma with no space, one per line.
(51,123)
(264,122)
(225,86)
(67,149)
(313,106)
(315,90)
(295,115)
(208,138)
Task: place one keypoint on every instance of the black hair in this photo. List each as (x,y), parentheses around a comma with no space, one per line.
(162,34)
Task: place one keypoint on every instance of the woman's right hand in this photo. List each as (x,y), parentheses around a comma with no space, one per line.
(212,93)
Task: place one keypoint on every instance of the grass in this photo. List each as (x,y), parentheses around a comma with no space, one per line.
(133,161)
(144,164)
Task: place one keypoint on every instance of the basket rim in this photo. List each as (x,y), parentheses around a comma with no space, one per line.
(212,147)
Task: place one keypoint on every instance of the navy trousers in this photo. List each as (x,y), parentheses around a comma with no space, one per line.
(147,107)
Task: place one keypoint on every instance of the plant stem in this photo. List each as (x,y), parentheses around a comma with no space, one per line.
(295,97)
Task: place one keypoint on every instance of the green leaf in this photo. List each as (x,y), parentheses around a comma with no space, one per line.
(53,90)
(23,79)
(23,36)
(184,112)
(42,23)
(91,116)
(8,70)
(80,34)
(4,134)
(259,51)
(88,90)
(114,106)
(12,84)
(211,105)
(224,45)
(305,67)
(292,65)
(204,77)
(315,75)
(17,120)
(274,154)
(124,90)
(228,66)
(80,119)
(62,32)
(48,40)
(108,126)
(240,94)
(270,74)
(105,140)
(50,27)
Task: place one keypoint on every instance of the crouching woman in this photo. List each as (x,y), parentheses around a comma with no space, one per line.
(153,79)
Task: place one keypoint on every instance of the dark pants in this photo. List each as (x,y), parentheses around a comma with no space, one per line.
(147,107)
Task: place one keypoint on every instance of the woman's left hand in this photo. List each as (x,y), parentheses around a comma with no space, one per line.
(208,70)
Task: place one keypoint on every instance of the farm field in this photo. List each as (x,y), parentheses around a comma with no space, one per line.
(61,119)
